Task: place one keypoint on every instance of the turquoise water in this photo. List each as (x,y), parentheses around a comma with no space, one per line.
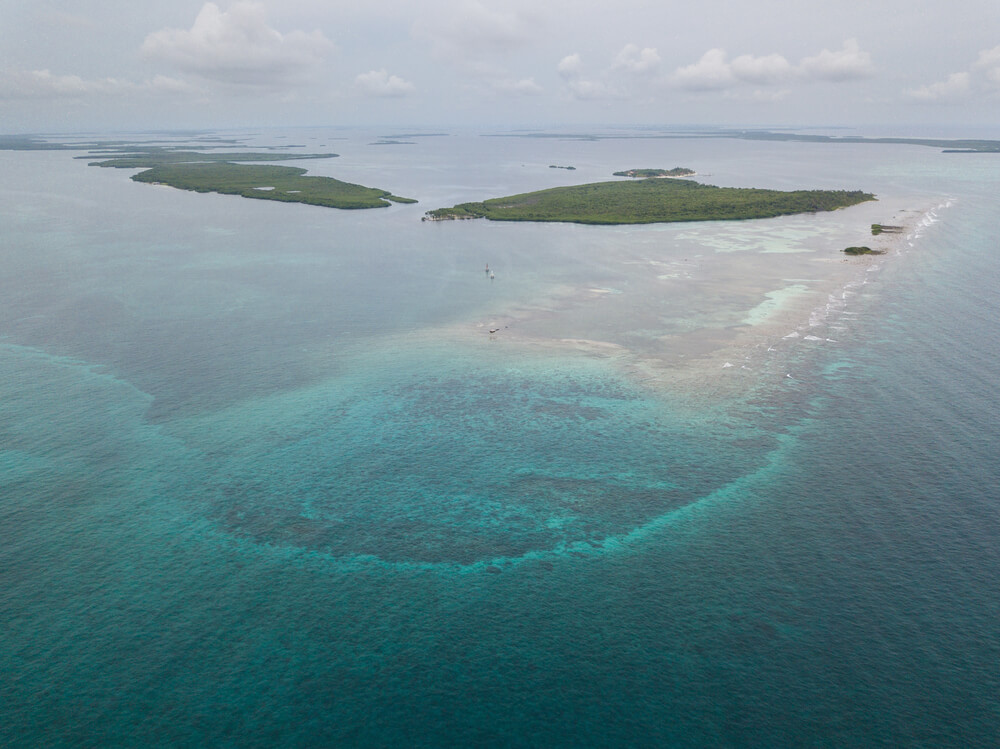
(266,480)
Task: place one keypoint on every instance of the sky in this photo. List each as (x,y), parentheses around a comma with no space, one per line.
(120,65)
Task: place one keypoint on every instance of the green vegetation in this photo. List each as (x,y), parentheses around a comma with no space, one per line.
(30,143)
(219,172)
(282,183)
(677,171)
(885,229)
(650,201)
(862,251)
(226,173)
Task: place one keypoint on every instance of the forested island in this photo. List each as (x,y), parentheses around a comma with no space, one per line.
(199,169)
(960,145)
(677,171)
(223,173)
(862,251)
(650,201)
(886,229)
(287,184)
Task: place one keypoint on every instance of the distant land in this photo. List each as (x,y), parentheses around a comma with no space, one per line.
(404,136)
(141,157)
(677,171)
(948,146)
(650,201)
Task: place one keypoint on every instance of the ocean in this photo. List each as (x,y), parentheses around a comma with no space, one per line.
(268,479)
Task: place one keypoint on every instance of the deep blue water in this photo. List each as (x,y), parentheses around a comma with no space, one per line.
(256,490)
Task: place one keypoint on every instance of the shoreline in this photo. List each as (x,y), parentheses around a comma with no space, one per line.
(717,358)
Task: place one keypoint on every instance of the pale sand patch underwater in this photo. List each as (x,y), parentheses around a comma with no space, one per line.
(703,311)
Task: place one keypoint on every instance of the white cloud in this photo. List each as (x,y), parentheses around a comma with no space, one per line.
(380,83)
(956,86)
(30,84)
(591,90)
(635,60)
(766,69)
(715,72)
(570,66)
(237,46)
(982,78)
(43,84)
(988,65)
(570,69)
(989,58)
(849,63)
(470,29)
(711,72)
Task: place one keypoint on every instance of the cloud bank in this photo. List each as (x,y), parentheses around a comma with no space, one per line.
(982,79)
(715,71)
(632,65)
(380,83)
(237,47)
(471,30)
(43,84)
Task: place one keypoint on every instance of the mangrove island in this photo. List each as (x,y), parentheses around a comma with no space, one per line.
(677,171)
(862,251)
(224,173)
(649,201)
(886,229)
(199,169)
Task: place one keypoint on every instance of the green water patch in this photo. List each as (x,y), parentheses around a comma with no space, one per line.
(414,462)
(790,235)
(445,463)
(76,454)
